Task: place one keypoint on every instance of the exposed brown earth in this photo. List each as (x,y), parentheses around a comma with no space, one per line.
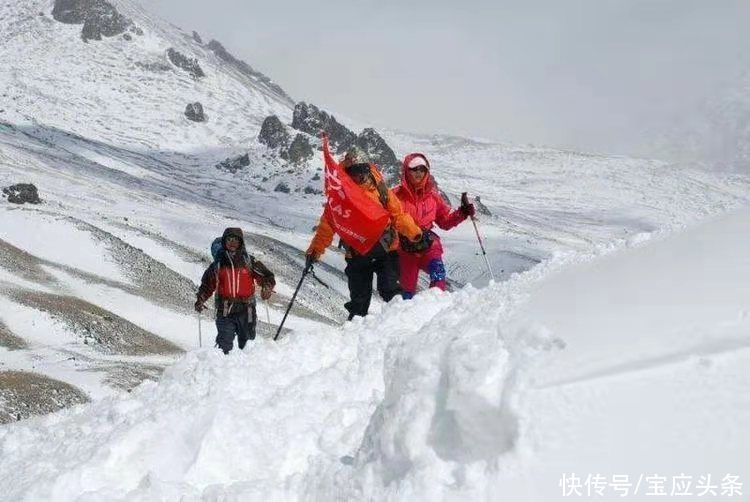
(153,280)
(127,375)
(23,264)
(25,394)
(100,329)
(9,340)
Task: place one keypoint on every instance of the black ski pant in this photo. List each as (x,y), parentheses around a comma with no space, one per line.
(359,271)
(239,322)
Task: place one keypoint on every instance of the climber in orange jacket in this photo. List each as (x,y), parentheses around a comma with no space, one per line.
(381,259)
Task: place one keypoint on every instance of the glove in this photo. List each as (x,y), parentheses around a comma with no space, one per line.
(420,245)
(467,208)
(199,307)
(266,291)
(310,258)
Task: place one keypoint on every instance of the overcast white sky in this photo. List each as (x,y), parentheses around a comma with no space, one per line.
(588,74)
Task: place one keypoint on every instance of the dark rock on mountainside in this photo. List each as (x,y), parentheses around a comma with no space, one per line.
(282,187)
(299,151)
(99,18)
(197,37)
(194,112)
(245,68)
(234,164)
(310,119)
(273,133)
(380,153)
(156,66)
(183,62)
(22,193)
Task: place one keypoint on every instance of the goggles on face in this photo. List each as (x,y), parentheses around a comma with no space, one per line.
(233,238)
(418,169)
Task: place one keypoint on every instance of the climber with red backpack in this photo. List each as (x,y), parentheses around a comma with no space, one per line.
(420,198)
(368,217)
(233,275)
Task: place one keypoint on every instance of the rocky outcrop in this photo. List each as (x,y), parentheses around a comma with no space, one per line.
(194,112)
(183,62)
(380,153)
(245,68)
(310,119)
(22,193)
(156,66)
(197,37)
(282,187)
(299,151)
(99,18)
(273,133)
(234,164)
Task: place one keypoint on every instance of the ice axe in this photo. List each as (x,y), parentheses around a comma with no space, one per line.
(465,202)
(308,269)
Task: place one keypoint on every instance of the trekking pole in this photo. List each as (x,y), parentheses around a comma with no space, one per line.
(200,334)
(307,270)
(465,201)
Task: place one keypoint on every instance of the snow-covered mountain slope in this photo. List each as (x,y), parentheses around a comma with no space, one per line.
(543,200)
(125,93)
(464,396)
(117,107)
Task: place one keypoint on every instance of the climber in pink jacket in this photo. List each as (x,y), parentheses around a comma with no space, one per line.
(420,198)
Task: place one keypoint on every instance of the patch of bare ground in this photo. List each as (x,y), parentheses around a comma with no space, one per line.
(9,340)
(100,329)
(152,279)
(127,376)
(155,282)
(25,394)
(23,264)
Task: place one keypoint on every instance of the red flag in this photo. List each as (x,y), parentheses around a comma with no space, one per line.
(357,218)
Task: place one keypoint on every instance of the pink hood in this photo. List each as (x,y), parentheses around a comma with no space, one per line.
(428,185)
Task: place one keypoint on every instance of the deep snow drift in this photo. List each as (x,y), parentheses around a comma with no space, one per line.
(634,363)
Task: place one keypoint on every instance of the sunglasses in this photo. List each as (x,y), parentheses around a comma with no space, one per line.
(418,169)
(233,238)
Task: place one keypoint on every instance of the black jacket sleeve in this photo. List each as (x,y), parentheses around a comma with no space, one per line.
(208,284)
(264,276)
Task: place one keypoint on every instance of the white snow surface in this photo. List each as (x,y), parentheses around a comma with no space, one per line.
(477,395)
